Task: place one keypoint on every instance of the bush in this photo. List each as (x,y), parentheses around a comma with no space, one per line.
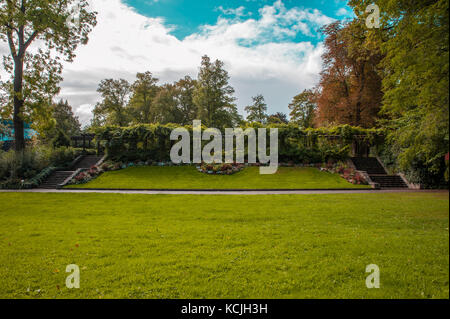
(15,168)
(61,139)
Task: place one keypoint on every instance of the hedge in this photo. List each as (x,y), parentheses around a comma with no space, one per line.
(152,141)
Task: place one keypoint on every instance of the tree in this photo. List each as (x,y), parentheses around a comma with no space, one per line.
(113,109)
(174,103)
(166,105)
(144,91)
(213,96)
(257,111)
(65,120)
(60,139)
(185,97)
(278,118)
(35,74)
(303,108)
(414,39)
(350,84)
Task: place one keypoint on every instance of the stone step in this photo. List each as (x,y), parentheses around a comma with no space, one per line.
(389,181)
(55,179)
(371,165)
(87,161)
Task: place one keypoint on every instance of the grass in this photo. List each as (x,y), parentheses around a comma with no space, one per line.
(277,246)
(187,177)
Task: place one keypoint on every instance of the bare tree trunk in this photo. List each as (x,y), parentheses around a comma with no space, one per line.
(19,136)
(360,92)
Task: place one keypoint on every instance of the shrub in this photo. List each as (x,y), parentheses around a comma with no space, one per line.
(35,159)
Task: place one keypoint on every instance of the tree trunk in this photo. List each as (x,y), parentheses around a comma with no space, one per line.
(19,136)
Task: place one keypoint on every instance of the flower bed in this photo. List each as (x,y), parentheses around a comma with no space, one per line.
(220,169)
(346,172)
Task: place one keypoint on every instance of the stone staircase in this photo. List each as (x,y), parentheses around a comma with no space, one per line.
(389,181)
(58,177)
(377,173)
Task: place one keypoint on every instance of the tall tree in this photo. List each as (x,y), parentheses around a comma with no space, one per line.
(350,84)
(257,111)
(303,108)
(174,102)
(213,95)
(144,91)
(65,119)
(166,105)
(414,38)
(35,74)
(278,118)
(185,96)
(113,109)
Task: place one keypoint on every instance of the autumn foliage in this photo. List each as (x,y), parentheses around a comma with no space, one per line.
(349,91)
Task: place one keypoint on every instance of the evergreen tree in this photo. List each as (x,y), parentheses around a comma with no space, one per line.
(257,111)
(65,120)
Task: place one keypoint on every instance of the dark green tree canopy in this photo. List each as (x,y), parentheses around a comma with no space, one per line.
(112,110)
(303,108)
(257,112)
(213,96)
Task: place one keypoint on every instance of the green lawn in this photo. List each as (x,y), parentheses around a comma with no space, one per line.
(192,246)
(187,177)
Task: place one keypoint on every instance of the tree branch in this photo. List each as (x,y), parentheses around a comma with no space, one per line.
(30,39)
(11,27)
(12,46)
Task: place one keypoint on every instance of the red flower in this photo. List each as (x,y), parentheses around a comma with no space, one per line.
(447,157)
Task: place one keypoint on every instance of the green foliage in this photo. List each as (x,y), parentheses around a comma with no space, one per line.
(257,111)
(35,74)
(17,169)
(113,109)
(65,120)
(277,118)
(144,91)
(415,40)
(152,141)
(61,139)
(303,109)
(213,96)
(167,105)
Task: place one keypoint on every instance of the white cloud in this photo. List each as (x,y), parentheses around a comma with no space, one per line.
(260,54)
(238,12)
(342,12)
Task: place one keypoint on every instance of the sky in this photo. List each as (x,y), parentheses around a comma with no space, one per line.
(269,47)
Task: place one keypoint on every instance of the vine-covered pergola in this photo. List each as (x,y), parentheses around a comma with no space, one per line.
(152,141)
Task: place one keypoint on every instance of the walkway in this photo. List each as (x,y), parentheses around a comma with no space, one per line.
(262,192)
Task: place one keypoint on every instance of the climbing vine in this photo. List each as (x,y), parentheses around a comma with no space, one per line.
(152,141)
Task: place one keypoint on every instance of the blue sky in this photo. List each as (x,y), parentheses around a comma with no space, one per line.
(186,16)
(269,47)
